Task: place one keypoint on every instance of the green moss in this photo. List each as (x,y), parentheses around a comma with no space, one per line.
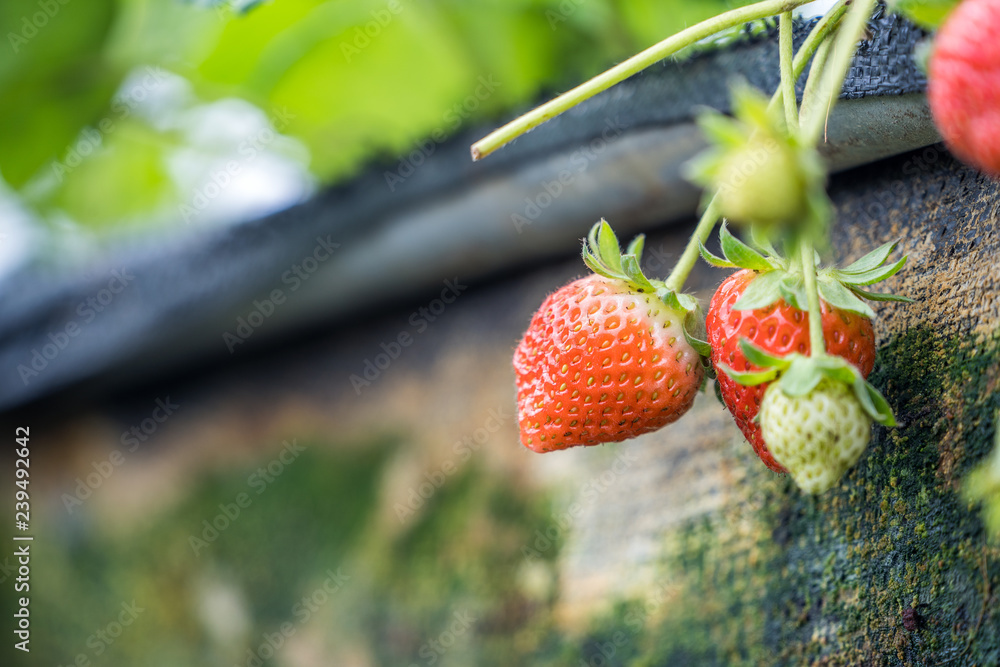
(831,579)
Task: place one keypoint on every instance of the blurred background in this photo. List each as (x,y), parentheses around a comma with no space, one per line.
(339,498)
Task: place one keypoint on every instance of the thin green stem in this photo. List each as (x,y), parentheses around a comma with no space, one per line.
(689,258)
(623,70)
(808,257)
(816,108)
(815,74)
(706,224)
(786,52)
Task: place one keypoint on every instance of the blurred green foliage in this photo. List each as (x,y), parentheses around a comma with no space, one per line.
(357,78)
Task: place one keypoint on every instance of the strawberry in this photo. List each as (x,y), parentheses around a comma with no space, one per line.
(754,305)
(779,329)
(606,357)
(817,437)
(964,83)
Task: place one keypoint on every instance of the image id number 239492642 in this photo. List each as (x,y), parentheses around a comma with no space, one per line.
(22,541)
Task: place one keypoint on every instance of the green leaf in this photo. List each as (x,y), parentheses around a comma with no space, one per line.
(713,260)
(741,254)
(875,296)
(870,277)
(749,378)
(700,346)
(761,292)
(636,247)
(839,296)
(761,358)
(872,260)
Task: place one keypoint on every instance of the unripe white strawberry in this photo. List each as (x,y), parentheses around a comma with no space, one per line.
(816,437)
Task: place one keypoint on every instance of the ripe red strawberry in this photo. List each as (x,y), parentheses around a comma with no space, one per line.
(605,358)
(780,330)
(964,83)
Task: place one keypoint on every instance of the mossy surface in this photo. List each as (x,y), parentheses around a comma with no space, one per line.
(890,568)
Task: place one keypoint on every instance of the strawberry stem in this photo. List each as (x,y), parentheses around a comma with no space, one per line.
(808,257)
(815,108)
(624,70)
(787,55)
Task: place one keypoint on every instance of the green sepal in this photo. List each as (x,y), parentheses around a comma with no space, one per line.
(872,260)
(607,244)
(750,105)
(636,247)
(871,276)
(749,378)
(713,260)
(631,268)
(800,378)
(759,357)
(669,297)
(758,238)
(804,373)
(838,296)
(700,346)
(793,291)
(875,296)
(689,304)
(762,291)
(720,129)
(602,255)
(873,402)
(740,254)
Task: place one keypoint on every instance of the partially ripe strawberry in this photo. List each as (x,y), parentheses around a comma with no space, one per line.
(779,329)
(605,358)
(964,83)
(765,305)
(816,437)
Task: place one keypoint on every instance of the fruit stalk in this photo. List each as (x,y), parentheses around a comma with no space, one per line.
(834,70)
(787,54)
(817,343)
(624,70)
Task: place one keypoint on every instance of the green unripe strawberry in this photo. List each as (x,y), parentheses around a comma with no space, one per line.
(816,437)
(763,174)
(761,182)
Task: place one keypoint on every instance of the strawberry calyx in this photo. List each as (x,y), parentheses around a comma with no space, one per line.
(780,278)
(797,375)
(603,255)
(760,172)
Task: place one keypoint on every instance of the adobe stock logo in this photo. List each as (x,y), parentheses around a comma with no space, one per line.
(60,340)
